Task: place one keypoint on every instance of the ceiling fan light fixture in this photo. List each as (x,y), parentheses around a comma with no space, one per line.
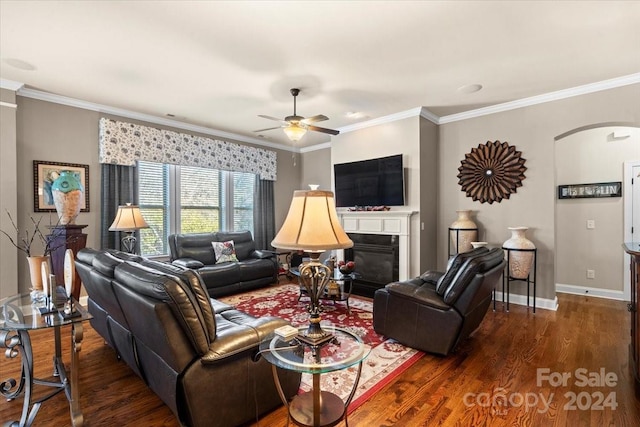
(294,132)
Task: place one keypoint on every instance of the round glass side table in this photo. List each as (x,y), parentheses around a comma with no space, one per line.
(316,407)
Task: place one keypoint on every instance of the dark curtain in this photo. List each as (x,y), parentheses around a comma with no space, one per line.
(264,223)
(119,186)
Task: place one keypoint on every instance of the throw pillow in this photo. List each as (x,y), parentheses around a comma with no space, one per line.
(225,251)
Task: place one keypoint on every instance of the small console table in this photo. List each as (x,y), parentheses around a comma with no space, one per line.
(507,278)
(19,316)
(316,407)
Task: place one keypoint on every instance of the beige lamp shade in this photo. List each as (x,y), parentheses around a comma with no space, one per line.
(128,218)
(312,224)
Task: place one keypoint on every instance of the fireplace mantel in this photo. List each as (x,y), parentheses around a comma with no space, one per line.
(393,222)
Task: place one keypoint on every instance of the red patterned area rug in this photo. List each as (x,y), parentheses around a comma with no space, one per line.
(387,359)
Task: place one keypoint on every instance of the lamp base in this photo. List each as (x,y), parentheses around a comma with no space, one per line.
(315,336)
(129,242)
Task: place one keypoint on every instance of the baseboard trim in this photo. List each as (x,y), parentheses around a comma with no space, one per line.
(593,292)
(543,303)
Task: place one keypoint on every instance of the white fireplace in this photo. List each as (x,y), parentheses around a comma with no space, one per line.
(395,223)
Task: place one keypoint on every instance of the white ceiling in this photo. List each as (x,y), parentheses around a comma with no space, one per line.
(220,64)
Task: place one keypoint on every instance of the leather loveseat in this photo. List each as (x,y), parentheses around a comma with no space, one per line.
(196,353)
(254,268)
(437,310)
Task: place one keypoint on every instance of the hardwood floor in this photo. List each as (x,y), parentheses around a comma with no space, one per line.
(496,378)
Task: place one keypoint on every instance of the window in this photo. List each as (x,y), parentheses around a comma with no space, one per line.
(186,199)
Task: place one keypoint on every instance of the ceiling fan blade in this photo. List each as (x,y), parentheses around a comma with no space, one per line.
(271,118)
(318,118)
(323,130)
(262,130)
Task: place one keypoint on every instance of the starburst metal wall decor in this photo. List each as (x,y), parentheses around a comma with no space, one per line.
(491,172)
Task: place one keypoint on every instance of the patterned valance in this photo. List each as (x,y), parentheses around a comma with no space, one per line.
(124,143)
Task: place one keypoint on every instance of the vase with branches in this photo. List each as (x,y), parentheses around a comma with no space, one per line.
(24,241)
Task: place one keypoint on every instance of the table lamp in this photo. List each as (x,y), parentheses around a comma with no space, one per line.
(312,225)
(128,220)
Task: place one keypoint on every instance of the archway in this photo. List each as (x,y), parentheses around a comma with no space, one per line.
(590,231)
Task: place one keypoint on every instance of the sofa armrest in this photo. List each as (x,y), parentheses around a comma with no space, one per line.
(263,254)
(432,276)
(423,294)
(231,341)
(188,263)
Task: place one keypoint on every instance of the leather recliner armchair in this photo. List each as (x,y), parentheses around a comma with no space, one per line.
(437,310)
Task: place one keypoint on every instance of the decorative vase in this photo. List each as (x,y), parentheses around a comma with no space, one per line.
(35,271)
(520,262)
(67,196)
(464,231)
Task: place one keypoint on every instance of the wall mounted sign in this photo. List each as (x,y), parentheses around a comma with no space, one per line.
(588,191)
(491,172)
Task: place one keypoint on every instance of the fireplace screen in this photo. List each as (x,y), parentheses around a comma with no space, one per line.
(376,257)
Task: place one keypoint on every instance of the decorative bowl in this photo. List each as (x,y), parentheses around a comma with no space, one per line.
(345,270)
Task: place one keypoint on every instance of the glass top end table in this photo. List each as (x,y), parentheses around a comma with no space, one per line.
(316,407)
(18,316)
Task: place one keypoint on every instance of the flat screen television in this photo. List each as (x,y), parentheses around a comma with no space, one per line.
(374,182)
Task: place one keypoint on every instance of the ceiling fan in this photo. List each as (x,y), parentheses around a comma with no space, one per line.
(296,126)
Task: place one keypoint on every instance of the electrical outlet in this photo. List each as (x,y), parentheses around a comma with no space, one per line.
(591,274)
(591,224)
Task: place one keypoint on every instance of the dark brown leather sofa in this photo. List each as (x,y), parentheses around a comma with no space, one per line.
(196,353)
(254,269)
(437,310)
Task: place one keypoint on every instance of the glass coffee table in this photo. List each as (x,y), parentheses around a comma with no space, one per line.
(18,316)
(316,407)
(338,290)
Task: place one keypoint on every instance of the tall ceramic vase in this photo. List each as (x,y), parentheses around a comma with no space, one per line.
(35,271)
(67,193)
(520,262)
(464,231)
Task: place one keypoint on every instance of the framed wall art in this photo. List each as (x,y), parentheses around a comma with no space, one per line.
(491,172)
(588,191)
(45,173)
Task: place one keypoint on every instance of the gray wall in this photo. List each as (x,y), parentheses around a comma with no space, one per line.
(532,130)
(429,167)
(316,169)
(8,194)
(54,132)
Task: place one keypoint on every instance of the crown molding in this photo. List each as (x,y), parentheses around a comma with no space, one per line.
(426,114)
(315,147)
(10,85)
(77,103)
(419,111)
(381,120)
(547,97)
